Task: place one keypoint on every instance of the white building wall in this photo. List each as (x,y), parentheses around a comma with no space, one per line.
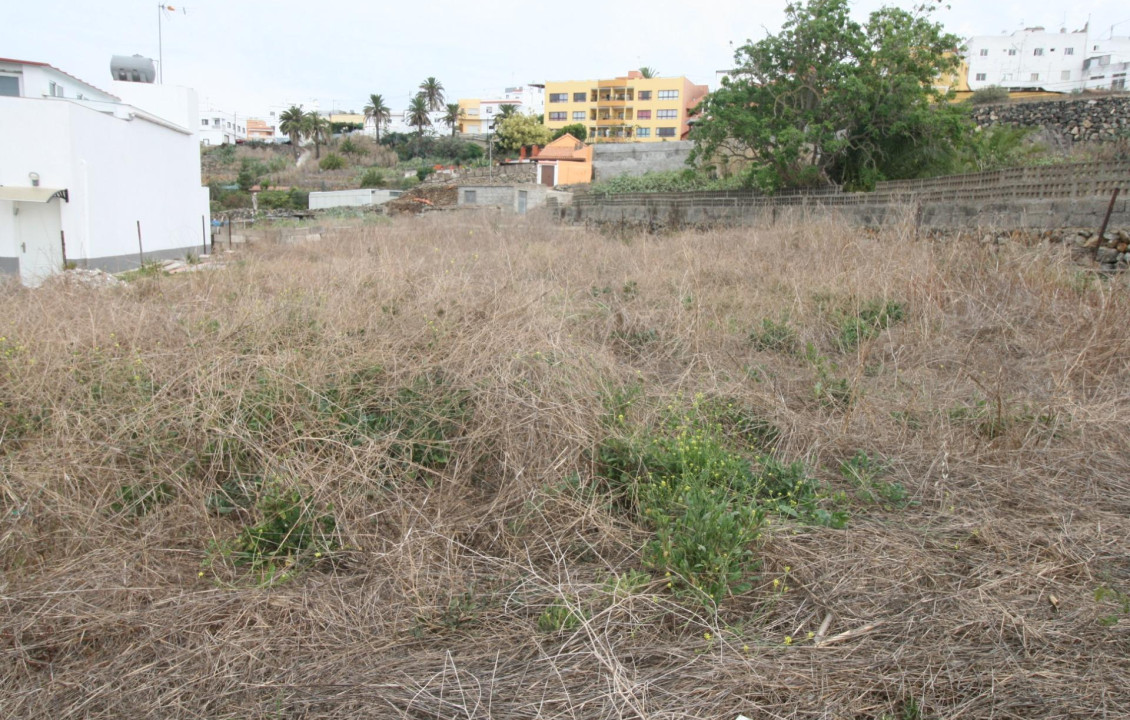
(1030,58)
(178,105)
(118,172)
(39,81)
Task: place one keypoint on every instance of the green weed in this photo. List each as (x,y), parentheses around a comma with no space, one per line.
(139,499)
(866,473)
(561,615)
(873,317)
(774,336)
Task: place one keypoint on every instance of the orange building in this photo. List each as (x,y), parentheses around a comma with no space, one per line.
(259,130)
(565,161)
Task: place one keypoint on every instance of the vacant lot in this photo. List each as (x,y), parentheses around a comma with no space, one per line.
(501,469)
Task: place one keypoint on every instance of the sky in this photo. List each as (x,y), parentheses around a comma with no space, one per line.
(251,55)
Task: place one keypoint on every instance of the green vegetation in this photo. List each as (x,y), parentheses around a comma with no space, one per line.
(873,317)
(372,178)
(519,130)
(989,96)
(577,130)
(862,109)
(670,181)
(333,161)
(774,336)
(704,485)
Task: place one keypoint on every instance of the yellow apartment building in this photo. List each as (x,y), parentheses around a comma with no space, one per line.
(624,109)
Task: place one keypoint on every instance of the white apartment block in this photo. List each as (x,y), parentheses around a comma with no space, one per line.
(217,127)
(1034,59)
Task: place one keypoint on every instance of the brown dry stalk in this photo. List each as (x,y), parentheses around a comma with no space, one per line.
(494,345)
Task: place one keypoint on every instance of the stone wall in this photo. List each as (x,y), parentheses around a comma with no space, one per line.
(615,159)
(1077,120)
(498,175)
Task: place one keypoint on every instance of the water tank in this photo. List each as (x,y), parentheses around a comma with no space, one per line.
(133,68)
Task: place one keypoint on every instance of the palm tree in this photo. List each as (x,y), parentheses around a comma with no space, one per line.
(291,123)
(649,72)
(506,110)
(418,114)
(379,112)
(432,92)
(452,117)
(317,129)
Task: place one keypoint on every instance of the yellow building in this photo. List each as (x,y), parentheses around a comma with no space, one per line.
(624,109)
(470,120)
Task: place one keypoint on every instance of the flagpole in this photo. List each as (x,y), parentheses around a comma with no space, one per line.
(160,47)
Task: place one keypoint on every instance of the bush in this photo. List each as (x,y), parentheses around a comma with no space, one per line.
(873,317)
(423,173)
(989,95)
(333,161)
(372,178)
(577,130)
(670,181)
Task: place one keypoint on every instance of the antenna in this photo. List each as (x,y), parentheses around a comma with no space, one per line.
(161,10)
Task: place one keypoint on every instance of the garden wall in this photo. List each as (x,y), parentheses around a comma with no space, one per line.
(1097,119)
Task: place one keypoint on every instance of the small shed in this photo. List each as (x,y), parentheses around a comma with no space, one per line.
(565,161)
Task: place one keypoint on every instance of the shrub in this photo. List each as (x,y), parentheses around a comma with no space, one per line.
(372,178)
(989,95)
(423,173)
(333,161)
(873,317)
(774,336)
(577,130)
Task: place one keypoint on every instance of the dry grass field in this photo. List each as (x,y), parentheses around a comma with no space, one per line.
(497,468)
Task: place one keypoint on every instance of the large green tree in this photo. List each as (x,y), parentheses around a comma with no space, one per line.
(518,130)
(829,99)
(379,112)
(291,124)
(432,90)
(417,115)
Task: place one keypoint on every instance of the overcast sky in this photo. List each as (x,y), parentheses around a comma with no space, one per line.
(247,55)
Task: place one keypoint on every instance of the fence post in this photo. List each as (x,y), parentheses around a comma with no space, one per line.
(140,250)
(1106,219)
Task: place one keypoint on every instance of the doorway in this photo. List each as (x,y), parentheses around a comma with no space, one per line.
(39,244)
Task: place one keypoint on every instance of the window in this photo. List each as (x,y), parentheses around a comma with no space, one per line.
(9,86)
(668,95)
(1011,52)
(204,122)
(558,97)
(469,197)
(579,97)
(981,76)
(1038,52)
(643,115)
(1035,76)
(558,116)
(1006,76)
(665,132)
(645,95)
(643,132)
(579,114)
(1065,75)
(984,52)
(1069,51)
(55,90)
(490,110)
(667,114)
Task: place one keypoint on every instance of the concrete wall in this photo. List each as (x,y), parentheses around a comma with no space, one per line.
(120,169)
(351,198)
(504,196)
(497,175)
(614,159)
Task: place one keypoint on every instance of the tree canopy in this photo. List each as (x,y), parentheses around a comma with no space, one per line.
(432,91)
(518,130)
(378,111)
(832,100)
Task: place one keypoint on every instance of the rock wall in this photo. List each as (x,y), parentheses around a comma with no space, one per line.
(498,175)
(1078,120)
(615,159)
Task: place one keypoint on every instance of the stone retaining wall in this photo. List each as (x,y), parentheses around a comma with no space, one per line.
(1098,119)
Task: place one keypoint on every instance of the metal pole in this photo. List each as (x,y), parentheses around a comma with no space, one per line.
(160,47)
(140,251)
(229,232)
(63,243)
(203,237)
(1106,219)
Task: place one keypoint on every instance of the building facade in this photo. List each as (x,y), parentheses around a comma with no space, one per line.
(1034,59)
(89,179)
(625,109)
(480,114)
(217,127)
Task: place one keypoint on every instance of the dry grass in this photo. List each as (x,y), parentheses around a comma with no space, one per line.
(999,403)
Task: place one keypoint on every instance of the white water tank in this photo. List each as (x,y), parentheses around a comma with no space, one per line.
(133,68)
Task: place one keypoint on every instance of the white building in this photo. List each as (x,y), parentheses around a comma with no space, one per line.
(217,127)
(87,178)
(480,114)
(398,123)
(1034,59)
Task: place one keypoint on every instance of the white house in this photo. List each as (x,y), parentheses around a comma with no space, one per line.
(217,127)
(1033,58)
(89,179)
